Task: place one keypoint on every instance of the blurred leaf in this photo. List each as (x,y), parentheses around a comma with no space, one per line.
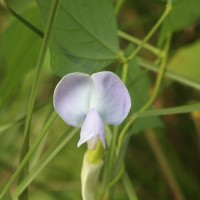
(20,48)
(84,37)
(185,176)
(186,62)
(184,12)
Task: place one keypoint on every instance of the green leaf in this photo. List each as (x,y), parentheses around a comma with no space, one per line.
(20,49)
(18,5)
(184,13)
(84,37)
(186,61)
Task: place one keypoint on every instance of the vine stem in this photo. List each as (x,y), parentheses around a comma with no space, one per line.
(44,161)
(158,80)
(42,54)
(118,6)
(153,96)
(128,187)
(155,27)
(146,106)
(130,38)
(30,152)
(124,72)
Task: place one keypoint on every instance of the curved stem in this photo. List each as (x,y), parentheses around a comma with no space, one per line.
(159,77)
(155,27)
(130,38)
(128,186)
(118,6)
(153,96)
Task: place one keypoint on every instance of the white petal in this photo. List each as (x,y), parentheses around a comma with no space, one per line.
(110,97)
(92,130)
(71,98)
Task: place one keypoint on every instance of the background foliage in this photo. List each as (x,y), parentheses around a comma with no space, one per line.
(161,154)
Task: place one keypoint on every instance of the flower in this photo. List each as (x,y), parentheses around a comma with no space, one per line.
(90,102)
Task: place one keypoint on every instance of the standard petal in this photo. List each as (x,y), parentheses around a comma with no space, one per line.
(110,97)
(92,130)
(72,97)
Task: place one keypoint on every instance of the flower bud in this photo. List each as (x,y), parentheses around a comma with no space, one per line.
(91,168)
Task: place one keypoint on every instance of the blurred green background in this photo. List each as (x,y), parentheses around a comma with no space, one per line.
(178,136)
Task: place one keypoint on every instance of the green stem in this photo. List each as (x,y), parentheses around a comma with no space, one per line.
(124,72)
(155,27)
(43,50)
(164,166)
(128,187)
(108,170)
(118,177)
(112,149)
(50,154)
(170,74)
(118,6)
(29,153)
(153,96)
(159,77)
(169,111)
(139,42)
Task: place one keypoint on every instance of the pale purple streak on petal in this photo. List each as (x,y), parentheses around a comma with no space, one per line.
(110,97)
(72,97)
(92,130)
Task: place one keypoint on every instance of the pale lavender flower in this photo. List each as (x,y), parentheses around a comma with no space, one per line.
(90,102)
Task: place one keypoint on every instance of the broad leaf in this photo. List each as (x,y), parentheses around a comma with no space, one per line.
(84,38)
(20,48)
(18,5)
(184,13)
(186,62)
